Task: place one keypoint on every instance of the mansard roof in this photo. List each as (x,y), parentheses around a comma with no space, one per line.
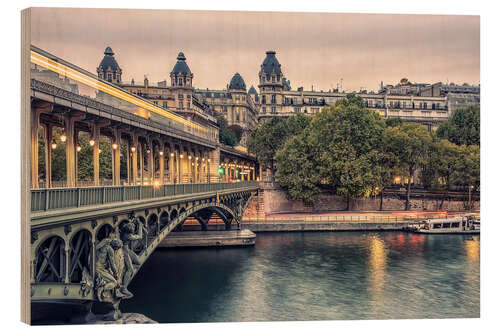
(109,60)
(237,83)
(181,67)
(271,64)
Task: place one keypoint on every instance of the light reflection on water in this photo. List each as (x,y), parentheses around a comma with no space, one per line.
(314,276)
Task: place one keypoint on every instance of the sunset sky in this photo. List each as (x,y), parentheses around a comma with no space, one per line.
(314,49)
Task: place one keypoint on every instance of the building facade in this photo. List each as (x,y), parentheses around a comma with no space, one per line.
(428,104)
(235,103)
(238,106)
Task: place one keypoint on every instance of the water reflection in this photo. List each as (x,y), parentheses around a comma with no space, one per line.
(314,276)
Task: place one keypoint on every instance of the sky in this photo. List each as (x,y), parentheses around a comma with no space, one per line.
(316,50)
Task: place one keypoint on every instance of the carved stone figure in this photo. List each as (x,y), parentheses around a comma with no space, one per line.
(129,235)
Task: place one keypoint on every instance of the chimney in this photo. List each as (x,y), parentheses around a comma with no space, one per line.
(146,82)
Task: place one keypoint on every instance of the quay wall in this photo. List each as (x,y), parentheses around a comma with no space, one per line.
(323,226)
(271,199)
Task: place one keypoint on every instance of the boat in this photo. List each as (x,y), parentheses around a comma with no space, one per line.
(452,225)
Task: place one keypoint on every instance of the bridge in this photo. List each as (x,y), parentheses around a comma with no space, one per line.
(89,238)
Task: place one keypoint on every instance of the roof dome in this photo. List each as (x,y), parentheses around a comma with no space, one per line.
(109,60)
(237,83)
(271,64)
(252,91)
(181,67)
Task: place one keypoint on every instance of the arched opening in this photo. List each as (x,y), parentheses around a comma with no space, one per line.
(182,211)
(173,215)
(50,263)
(164,219)
(152,227)
(80,253)
(104,232)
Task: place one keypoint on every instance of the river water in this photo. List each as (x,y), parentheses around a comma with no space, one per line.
(313,276)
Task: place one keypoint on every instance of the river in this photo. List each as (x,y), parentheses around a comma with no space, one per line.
(313,276)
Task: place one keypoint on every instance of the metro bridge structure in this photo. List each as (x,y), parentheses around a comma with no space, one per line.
(88,242)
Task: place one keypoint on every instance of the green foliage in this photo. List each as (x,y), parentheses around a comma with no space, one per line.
(463,127)
(227,137)
(469,170)
(410,143)
(339,151)
(271,136)
(237,131)
(298,171)
(393,122)
(439,169)
(347,139)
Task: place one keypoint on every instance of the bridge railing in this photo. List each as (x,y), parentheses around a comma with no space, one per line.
(63,198)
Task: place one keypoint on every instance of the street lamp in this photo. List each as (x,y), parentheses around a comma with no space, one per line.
(54,144)
(92,142)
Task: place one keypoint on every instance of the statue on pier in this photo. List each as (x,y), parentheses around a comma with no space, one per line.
(130,233)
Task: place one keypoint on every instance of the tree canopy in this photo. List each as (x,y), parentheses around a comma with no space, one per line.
(338,152)
(463,127)
(271,136)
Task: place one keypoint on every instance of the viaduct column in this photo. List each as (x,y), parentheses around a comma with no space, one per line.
(116,156)
(161,155)
(69,124)
(48,155)
(96,131)
(149,155)
(213,165)
(35,122)
(133,149)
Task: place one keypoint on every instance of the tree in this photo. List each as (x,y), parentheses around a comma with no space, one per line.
(237,131)
(393,122)
(227,137)
(463,127)
(271,136)
(388,166)
(346,140)
(297,170)
(440,170)
(410,144)
(468,170)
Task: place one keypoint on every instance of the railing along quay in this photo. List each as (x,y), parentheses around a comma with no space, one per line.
(61,198)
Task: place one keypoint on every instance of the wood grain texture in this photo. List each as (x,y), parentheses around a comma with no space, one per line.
(25,166)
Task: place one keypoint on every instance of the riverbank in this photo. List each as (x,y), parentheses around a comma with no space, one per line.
(243,237)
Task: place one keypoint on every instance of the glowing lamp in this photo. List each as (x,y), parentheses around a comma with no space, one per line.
(54,144)
(91,142)
(114,146)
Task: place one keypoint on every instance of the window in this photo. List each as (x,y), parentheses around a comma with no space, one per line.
(263,110)
(181,96)
(297,109)
(436,226)
(155,102)
(273,109)
(425,105)
(404,105)
(446,225)
(455,225)
(165,105)
(264,99)
(273,99)
(109,77)
(181,105)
